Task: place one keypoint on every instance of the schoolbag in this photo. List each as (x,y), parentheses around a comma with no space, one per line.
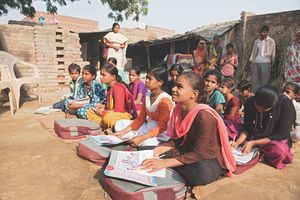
(94,153)
(75,128)
(171,187)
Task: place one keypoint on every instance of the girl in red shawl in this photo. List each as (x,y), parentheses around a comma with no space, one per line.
(199,140)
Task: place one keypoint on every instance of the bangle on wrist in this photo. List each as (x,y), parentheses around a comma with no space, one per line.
(253,142)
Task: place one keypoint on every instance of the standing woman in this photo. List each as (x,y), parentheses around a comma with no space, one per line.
(214,53)
(199,140)
(115,44)
(292,61)
(200,58)
(268,121)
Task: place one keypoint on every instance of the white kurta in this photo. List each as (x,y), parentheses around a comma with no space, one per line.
(148,125)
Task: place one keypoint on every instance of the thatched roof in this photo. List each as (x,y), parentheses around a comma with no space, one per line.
(208,32)
(204,32)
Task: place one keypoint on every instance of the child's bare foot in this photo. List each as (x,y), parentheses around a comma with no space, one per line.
(68,115)
(196,192)
(108,131)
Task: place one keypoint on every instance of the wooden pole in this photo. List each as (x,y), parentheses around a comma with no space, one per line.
(148,56)
(172,48)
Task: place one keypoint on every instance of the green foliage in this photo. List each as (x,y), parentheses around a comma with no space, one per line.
(119,8)
(127,8)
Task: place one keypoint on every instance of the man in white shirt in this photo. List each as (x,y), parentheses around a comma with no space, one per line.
(262,58)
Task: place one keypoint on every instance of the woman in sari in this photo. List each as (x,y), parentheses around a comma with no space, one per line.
(200,58)
(115,46)
(292,61)
(214,53)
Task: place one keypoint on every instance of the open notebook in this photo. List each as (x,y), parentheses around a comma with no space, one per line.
(242,159)
(102,140)
(46,110)
(126,165)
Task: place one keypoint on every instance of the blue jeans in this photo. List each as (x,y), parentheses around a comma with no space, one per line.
(59,105)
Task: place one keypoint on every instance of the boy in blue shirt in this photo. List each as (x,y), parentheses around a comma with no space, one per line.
(74,71)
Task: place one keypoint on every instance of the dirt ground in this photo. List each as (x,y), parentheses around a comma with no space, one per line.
(36,164)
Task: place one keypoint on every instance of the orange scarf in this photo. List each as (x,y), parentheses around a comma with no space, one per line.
(179,127)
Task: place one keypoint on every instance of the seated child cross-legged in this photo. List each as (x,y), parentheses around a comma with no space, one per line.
(149,128)
(116,107)
(90,89)
(245,90)
(175,71)
(291,90)
(199,142)
(231,114)
(74,72)
(216,98)
(268,120)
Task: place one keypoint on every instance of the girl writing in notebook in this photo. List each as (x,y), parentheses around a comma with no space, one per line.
(269,117)
(149,128)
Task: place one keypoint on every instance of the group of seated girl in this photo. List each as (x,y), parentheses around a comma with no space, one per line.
(191,135)
(268,116)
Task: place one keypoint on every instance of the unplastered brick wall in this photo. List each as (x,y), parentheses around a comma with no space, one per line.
(56,49)
(19,41)
(283,27)
(45,50)
(66,22)
(51,48)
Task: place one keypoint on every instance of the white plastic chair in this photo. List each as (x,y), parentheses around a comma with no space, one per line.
(13,64)
(6,84)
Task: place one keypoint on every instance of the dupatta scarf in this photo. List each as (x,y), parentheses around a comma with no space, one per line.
(179,127)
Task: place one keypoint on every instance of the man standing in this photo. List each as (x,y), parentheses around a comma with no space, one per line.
(262,58)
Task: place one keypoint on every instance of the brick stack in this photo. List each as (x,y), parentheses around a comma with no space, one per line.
(50,47)
(56,49)
(44,40)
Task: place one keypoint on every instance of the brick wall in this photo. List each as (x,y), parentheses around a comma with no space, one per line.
(66,22)
(56,49)
(51,48)
(19,41)
(283,27)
